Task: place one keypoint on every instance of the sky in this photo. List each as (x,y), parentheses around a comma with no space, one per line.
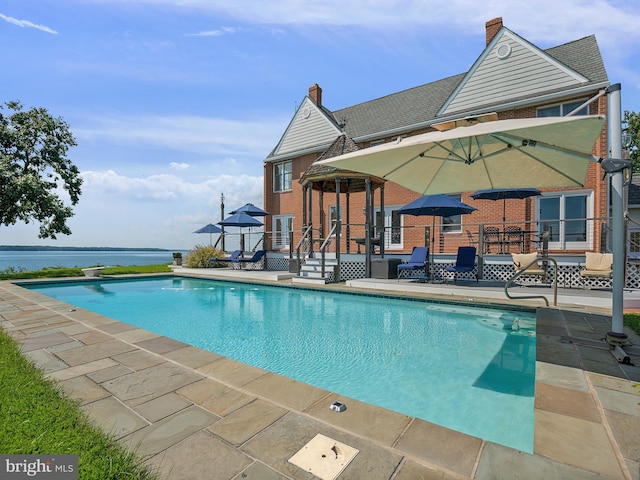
(176,102)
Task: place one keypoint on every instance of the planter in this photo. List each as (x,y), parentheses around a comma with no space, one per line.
(92,271)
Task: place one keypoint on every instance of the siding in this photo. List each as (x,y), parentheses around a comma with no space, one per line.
(309,127)
(526,71)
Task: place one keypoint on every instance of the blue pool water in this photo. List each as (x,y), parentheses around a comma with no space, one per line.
(468,369)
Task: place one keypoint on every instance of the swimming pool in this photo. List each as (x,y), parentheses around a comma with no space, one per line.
(468,369)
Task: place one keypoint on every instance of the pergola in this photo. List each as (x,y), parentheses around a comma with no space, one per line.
(326,179)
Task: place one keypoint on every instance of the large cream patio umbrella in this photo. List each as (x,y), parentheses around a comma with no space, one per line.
(528,152)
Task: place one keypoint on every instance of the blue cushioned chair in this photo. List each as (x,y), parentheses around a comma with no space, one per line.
(418,261)
(465,262)
(235,255)
(257,256)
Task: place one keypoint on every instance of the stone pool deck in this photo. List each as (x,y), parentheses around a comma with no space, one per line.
(192,414)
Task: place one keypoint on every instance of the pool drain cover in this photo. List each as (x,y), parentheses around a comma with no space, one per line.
(324,457)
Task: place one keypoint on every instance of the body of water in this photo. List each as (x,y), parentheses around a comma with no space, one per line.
(38,259)
(469,369)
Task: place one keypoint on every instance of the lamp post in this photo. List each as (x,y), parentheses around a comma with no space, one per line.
(617,172)
(222,218)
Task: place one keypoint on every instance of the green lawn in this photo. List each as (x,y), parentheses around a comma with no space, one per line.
(37,418)
(57,272)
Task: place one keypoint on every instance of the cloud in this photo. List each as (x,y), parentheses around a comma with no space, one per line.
(179,166)
(172,187)
(224,137)
(214,33)
(27,24)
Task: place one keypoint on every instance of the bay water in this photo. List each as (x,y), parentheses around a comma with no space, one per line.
(38,259)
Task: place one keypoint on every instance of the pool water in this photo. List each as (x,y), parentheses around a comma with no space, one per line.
(465,368)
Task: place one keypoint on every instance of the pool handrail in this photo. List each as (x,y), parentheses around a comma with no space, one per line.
(523,272)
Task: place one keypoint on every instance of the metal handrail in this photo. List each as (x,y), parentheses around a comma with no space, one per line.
(323,248)
(523,272)
(303,240)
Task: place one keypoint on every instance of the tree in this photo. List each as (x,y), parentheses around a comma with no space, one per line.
(35,170)
(632,121)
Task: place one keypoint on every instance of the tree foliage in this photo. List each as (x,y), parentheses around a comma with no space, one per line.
(632,121)
(35,172)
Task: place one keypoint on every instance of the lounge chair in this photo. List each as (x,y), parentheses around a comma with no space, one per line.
(527,264)
(418,261)
(257,256)
(465,262)
(597,265)
(235,255)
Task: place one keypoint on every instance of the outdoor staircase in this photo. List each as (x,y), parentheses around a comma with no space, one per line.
(311,270)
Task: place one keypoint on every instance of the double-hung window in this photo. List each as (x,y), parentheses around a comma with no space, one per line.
(452,224)
(563,109)
(282,226)
(282,175)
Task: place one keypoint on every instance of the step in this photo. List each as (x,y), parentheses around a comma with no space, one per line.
(309,281)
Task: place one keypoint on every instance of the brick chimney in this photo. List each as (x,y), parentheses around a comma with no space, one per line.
(315,93)
(493,27)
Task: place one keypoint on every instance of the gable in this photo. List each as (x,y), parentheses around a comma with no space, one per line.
(509,68)
(309,127)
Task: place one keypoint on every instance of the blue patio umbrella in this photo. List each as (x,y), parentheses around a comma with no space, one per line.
(439,205)
(251,210)
(504,194)
(241,219)
(210,228)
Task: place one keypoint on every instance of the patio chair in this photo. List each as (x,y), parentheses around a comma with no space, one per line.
(465,262)
(491,236)
(418,261)
(514,236)
(257,256)
(597,265)
(235,255)
(524,262)
(471,238)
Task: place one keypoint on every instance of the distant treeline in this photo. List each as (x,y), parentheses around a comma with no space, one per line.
(91,249)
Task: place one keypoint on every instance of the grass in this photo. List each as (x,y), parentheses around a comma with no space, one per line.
(58,272)
(632,320)
(37,418)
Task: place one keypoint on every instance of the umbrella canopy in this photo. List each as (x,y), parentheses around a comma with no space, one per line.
(251,210)
(240,219)
(546,152)
(437,206)
(505,193)
(209,228)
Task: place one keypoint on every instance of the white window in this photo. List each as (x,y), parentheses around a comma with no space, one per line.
(566,214)
(563,109)
(392,223)
(282,175)
(452,224)
(282,226)
(332,215)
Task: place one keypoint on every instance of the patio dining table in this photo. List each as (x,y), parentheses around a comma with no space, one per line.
(504,238)
(362,240)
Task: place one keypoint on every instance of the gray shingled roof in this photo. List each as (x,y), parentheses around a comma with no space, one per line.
(420,104)
(634,190)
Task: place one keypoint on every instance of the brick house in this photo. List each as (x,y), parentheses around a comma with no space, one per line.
(512,78)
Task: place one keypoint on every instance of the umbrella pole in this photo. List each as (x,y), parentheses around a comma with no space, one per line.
(433,242)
